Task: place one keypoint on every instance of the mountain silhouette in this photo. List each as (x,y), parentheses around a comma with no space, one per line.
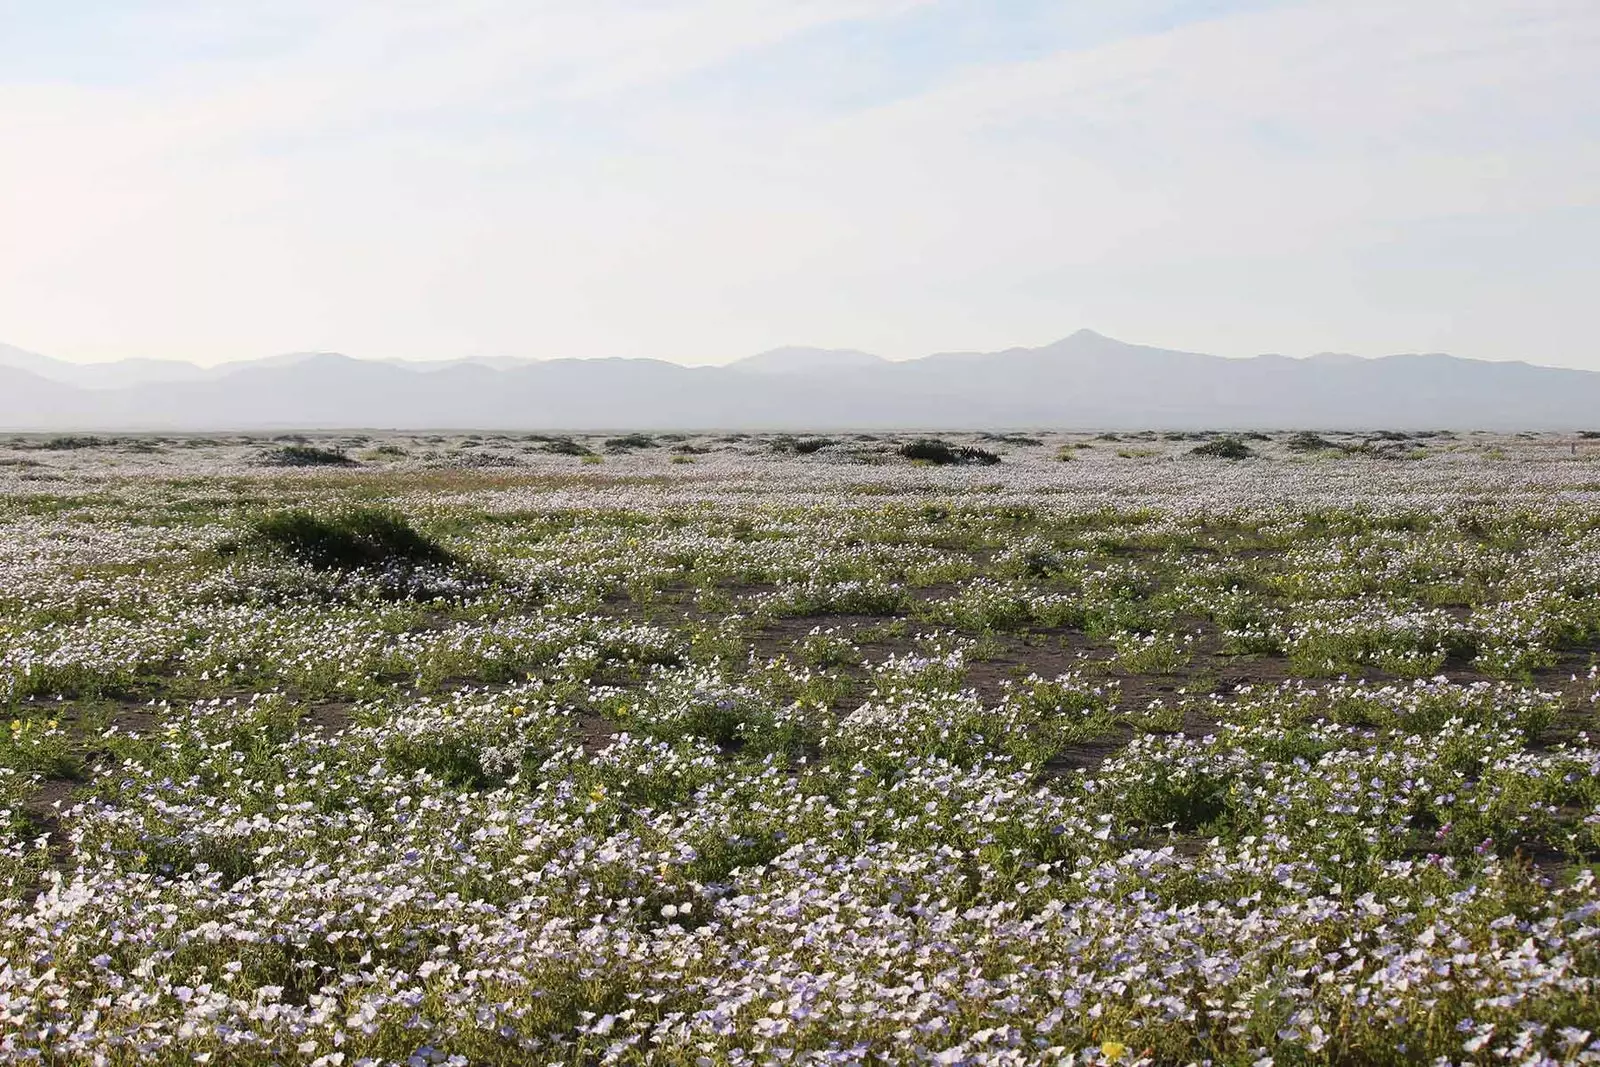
(1085,381)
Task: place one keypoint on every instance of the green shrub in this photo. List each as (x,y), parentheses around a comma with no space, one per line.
(630,440)
(68,444)
(802,446)
(1306,441)
(932,450)
(308,456)
(1224,448)
(566,446)
(364,537)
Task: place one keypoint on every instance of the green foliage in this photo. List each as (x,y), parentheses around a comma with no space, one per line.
(361,537)
(940,453)
(1306,441)
(629,441)
(307,456)
(1224,448)
(566,446)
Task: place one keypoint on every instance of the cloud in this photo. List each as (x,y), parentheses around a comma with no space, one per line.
(425,180)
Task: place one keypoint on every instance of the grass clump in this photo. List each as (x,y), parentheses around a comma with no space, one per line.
(362,537)
(940,453)
(307,456)
(1224,448)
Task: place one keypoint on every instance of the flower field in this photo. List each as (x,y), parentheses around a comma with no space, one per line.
(747,749)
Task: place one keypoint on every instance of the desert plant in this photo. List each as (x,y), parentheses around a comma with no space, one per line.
(307,456)
(1224,448)
(803,446)
(1306,441)
(932,450)
(70,443)
(630,440)
(362,537)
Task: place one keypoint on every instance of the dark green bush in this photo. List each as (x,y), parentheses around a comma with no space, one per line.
(308,456)
(1224,448)
(364,537)
(566,446)
(630,440)
(932,450)
(802,446)
(67,444)
(1306,441)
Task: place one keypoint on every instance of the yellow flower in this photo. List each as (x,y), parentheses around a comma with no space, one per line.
(1112,1050)
(598,793)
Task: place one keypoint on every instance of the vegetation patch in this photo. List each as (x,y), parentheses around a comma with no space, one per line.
(630,441)
(361,537)
(941,453)
(299,455)
(1224,448)
(1306,441)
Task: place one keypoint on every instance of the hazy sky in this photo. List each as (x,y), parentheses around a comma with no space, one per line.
(701,179)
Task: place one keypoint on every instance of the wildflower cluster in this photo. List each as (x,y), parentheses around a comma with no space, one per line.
(1128,760)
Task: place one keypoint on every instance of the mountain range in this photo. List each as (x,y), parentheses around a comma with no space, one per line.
(1085,381)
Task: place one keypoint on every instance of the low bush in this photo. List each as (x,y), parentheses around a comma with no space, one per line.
(70,443)
(363,537)
(1306,441)
(932,450)
(630,440)
(307,456)
(801,446)
(1224,448)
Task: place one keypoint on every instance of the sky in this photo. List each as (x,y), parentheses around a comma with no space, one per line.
(698,180)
